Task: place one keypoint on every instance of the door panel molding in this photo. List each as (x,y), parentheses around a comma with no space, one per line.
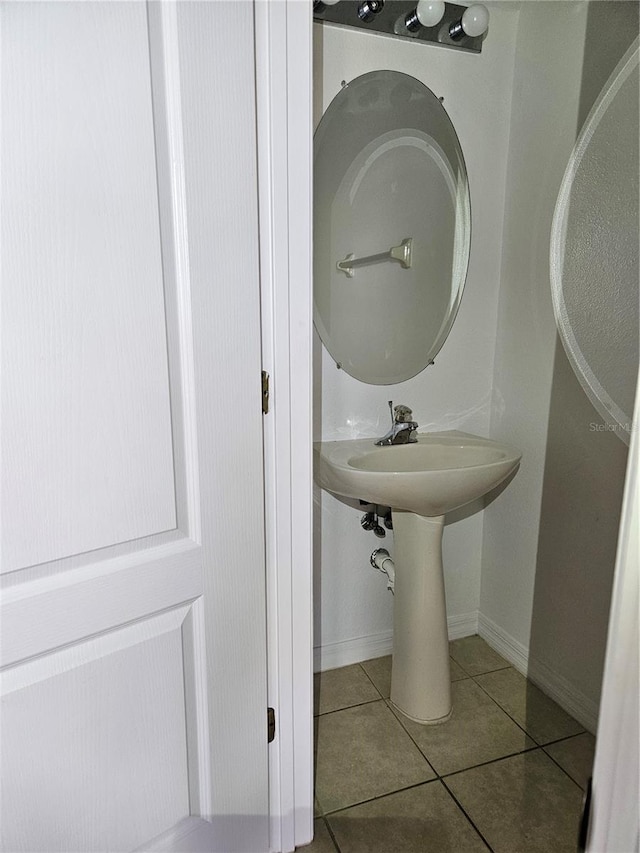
(85,384)
(168,122)
(97,598)
(176,284)
(64,659)
(116,712)
(194,650)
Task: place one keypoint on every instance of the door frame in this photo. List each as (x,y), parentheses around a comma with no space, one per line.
(284,70)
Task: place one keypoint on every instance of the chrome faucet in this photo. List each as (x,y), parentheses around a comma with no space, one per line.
(403,427)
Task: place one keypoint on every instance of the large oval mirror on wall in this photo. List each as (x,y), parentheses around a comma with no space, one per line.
(594,261)
(392,227)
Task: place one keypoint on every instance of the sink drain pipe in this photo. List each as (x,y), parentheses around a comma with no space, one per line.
(381,560)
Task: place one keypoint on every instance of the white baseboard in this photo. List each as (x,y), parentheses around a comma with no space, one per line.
(504,644)
(464,625)
(558,688)
(334,655)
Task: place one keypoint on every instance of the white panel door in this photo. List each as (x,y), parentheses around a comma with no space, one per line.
(133,587)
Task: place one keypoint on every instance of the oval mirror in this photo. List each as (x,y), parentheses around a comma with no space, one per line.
(392,227)
(594,250)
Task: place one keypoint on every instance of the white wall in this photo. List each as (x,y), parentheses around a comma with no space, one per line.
(353,610)
(542,133)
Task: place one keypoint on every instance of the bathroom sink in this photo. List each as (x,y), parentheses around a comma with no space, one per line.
(439,473)
(421,482)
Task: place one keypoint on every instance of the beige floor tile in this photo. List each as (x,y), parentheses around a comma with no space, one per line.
(575,755)
(363,752)
(457,672)
(322,841)
(523,804)
(342,688)
(477,731)
(475,656)
(379,671)
(413,821)
(538,715)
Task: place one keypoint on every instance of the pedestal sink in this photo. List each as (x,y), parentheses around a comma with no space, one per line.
(420,482)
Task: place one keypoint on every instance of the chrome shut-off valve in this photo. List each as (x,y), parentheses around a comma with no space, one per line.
(369,521)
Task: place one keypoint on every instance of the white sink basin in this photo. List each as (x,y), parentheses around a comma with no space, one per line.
(441,472)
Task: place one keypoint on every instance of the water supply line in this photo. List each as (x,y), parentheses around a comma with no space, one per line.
(381,560)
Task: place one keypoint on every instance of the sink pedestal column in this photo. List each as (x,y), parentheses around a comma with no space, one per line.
(420,680)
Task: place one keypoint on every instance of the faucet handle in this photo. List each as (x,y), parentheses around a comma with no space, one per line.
(402,414)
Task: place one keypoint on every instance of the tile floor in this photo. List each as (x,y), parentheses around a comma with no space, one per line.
(506,773)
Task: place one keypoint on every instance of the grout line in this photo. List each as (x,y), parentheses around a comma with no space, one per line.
(506,665)
(491,761)
(412,739)
(495,669)
(504,710)
(464,812)
(557,763)
(511,755)
(566,772)
(536,746)
(331,835)
(381,796)
(366,702)
(489,671)
(471,766)
(520,726)
(566,737)
(346,707)
(442,777)
(402,790)
(439,778)
(371,680)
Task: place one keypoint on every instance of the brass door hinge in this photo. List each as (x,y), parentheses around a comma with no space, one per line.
(271,724)
(265,392)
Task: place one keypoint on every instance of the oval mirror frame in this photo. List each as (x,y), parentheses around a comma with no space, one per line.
(392,227)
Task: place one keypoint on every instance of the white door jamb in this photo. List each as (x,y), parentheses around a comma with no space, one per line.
(284,103)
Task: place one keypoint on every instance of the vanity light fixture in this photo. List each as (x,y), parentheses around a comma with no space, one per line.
(474,22)
(427,13)
(431,22)
(368,9)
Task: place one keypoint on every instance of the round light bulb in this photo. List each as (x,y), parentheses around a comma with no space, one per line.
(430,12)
(475,20)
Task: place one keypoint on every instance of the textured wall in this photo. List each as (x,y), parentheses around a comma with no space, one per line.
(549,551)
(585,464)
(542,132)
